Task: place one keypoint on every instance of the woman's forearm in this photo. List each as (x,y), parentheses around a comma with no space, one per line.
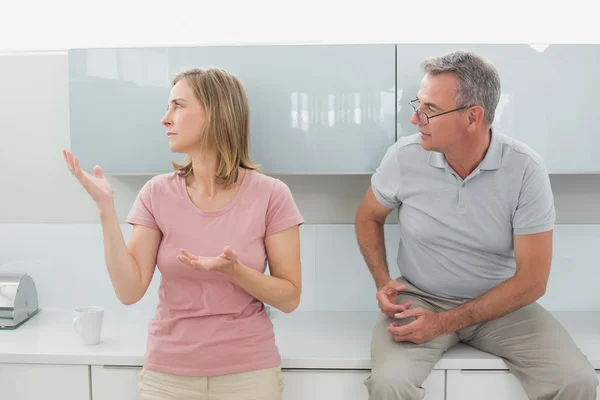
(277,292)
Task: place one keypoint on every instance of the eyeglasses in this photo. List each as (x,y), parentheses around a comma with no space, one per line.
(424,118)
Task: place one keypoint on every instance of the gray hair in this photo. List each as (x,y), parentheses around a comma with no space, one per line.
(478,80)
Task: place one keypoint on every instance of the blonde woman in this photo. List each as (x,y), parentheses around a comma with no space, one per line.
(210,226)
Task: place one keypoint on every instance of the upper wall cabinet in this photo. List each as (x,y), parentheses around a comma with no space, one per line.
(549,97)
(314,108)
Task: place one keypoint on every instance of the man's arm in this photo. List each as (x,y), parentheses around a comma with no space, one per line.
(368,224)
(533,255)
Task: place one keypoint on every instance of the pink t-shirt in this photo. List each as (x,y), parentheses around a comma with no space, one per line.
(205,324)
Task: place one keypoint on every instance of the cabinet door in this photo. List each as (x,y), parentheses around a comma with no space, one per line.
(44,382)
(483,384)
(344,385)
(488,384)
(313,108)
(529,109)
(115,382)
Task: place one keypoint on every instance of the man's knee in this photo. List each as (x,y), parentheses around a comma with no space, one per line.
(396,385)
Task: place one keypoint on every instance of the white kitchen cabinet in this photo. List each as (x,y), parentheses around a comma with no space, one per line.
(313,108)
(486,384)
(344,385)
(121,383)
(115,382)
(44,382)
(479,384)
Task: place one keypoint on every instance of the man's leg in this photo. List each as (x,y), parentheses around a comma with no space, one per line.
(398,369)
(539,352)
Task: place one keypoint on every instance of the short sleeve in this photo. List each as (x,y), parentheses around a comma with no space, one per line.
(535,211)
(385,180)
(141,212)
(282,212)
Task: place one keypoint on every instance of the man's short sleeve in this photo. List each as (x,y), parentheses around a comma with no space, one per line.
(385,180)
(535,211)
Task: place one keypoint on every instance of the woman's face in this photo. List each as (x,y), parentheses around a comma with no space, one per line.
(184,120)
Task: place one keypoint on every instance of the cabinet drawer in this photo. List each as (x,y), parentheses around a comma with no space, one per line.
(344,385)
(487,384)
(115,383)
(44,382)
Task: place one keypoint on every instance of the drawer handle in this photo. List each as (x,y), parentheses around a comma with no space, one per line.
(122,366)
(485,371)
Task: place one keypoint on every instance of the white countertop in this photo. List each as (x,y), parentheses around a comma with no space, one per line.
(316,340)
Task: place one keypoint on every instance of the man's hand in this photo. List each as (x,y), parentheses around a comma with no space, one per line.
(386,298)
(427,326)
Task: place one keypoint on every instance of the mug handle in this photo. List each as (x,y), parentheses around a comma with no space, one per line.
(77,324)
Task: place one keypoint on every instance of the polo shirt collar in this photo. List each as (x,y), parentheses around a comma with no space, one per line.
(491,161)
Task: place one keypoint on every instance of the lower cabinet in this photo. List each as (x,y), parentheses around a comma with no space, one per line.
(487,384)
(344,385)
(483,384)
(44,382)
(121,383)
(115,382)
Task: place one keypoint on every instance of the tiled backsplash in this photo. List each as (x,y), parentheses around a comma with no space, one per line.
(66,262)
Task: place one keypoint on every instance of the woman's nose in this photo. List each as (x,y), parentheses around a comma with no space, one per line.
(165,121)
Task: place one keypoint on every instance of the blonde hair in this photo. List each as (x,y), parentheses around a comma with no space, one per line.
(227,125)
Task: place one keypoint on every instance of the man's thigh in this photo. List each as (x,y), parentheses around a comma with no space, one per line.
(536,348)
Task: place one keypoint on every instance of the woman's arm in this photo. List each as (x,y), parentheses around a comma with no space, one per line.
(281,289)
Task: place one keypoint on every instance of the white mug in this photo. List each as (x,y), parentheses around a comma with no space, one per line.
(88,323)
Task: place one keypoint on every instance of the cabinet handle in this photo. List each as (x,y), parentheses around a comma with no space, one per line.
(122,366)
(485,371)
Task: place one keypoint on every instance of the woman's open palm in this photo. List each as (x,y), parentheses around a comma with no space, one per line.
(97,186)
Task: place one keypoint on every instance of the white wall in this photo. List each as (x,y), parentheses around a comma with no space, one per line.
(36,188)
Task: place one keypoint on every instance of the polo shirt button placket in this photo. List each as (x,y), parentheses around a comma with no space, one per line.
(462,208)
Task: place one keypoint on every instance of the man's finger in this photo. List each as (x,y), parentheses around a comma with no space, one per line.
(393,308)
(405,338)
(396,308)
(394,287)
(413,312)
(406,304)
(403,330)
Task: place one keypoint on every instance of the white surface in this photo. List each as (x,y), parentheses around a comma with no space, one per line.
(343,281)
(489,385)
(44,382)
(121,383)
(333,340)
(476,385)
(345,385)
(66,262)
(115,383)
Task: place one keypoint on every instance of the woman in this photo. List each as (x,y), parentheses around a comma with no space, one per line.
(210,226)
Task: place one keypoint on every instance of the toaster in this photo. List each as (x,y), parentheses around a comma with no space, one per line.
(18,300)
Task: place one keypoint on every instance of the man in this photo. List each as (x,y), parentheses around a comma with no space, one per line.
(476,214)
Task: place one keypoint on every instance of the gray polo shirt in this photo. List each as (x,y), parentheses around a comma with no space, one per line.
(457,235)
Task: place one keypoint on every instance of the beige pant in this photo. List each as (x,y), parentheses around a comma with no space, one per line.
(265,384)
(535,346)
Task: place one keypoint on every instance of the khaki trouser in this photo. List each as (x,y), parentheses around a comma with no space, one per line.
(535,346)
(266,384)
